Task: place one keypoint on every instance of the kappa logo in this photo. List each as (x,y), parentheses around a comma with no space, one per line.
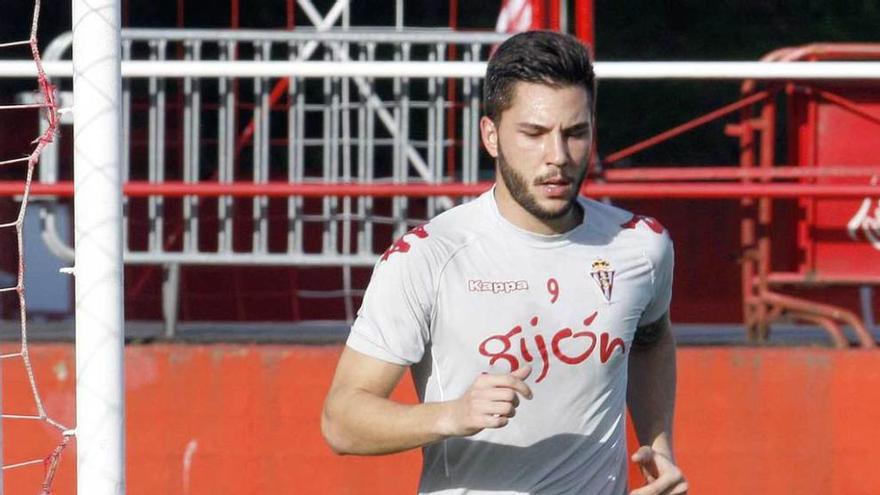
(505,287)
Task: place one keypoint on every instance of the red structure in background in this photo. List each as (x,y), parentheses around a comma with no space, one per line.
(815,241)
(831,126)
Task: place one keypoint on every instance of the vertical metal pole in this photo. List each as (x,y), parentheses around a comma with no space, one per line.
(431,138)
(583,21)
(126,143)
(539,15)
(296,152)
(156,172)
(751,299)
(466,118)
(563,17)
(152,154)
(100,406)
(334,83)
(362,138)
(191,152)
(262,51)
(866,297)
(403,129)
(328,230)
(474,145)
(160,148)
(226,148)
(765,214)
(346,202)
(369,149)
(451,96)
(553,16)
(399,162)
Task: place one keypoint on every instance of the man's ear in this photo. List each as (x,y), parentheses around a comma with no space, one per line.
(489,134)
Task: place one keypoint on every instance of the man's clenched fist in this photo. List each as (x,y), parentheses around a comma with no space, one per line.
(489,402)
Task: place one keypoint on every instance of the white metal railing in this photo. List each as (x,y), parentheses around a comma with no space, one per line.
(325,129)
(334,130)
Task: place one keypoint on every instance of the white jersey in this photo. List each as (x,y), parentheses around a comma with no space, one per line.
(470,293)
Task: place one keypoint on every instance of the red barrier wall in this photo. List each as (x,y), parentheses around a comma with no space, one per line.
(218,419)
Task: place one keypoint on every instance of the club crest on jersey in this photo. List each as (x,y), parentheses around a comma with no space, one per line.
(603,275)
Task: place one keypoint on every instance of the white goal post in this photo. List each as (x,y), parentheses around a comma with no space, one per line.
(97,128)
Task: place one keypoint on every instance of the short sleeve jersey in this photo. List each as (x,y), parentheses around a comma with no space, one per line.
(470,293)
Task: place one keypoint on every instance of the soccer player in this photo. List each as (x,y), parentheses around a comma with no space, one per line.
(530,317)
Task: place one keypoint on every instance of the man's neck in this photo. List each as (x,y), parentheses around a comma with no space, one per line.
(514,213)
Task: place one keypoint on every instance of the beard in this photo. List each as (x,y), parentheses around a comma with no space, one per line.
(519,190)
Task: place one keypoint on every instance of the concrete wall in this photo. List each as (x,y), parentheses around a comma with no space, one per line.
(218,419)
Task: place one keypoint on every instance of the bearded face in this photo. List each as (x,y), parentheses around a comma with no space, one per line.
(541,144)
(523,193)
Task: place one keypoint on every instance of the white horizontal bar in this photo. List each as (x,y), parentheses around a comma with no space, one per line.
(604,70)
(28,68)
(15,43)
(21,416)
(23,106)
(305,69)
(22,464)
(275,259)
(303,34)
(738,70)
(14,160)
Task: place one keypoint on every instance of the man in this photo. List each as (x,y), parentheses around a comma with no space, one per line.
(522,314)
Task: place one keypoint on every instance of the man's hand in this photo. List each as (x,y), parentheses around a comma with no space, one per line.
(489,402)
(661,473)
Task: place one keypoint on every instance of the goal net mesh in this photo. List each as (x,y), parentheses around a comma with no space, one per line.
(19,362)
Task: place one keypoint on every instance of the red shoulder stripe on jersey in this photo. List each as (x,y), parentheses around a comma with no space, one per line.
(649,221)
(401,245)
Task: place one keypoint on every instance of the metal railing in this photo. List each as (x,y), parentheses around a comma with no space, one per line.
(332,130)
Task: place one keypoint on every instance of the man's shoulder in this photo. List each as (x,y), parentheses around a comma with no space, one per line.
(604,215)
(460,222)
(627,227)
(438,239)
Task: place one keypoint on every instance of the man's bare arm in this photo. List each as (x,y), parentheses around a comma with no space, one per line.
(359,418)
(651,399)
(651,390)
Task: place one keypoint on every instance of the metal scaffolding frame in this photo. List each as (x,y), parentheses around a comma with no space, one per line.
(333,130)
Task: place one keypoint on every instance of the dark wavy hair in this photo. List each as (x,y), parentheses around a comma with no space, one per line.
(543,57)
